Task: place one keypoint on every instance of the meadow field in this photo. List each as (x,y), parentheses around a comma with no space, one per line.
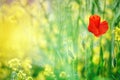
(59,40)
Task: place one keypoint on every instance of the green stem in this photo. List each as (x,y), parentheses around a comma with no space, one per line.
(101,57)
(111,50)
(110,56)
(104,8)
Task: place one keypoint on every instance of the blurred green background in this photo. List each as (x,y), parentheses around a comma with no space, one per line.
(49,40)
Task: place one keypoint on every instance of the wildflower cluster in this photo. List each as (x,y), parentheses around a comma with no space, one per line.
(117,34)
(19,70)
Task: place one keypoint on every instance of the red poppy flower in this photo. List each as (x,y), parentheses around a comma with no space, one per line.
(96,27)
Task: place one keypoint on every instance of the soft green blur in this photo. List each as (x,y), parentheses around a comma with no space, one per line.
(49,40)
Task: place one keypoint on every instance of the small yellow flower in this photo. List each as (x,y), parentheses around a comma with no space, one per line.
(29,78)
(21,75)
(106,55)
(95,59)
(114,70)
(117,33)
(48,70)
(63,74)
(80,67)
(75,6)
(14,64)
(96,49)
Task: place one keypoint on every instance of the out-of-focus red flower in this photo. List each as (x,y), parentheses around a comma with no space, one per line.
(96,27)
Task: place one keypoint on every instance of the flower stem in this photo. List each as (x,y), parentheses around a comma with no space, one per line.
(104,8)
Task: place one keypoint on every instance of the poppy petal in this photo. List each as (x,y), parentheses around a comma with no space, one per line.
(94,19)
(103,27)
(92,28)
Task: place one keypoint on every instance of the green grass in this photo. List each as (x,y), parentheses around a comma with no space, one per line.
(71,51)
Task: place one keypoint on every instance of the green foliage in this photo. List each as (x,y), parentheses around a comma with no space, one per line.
(54,35)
